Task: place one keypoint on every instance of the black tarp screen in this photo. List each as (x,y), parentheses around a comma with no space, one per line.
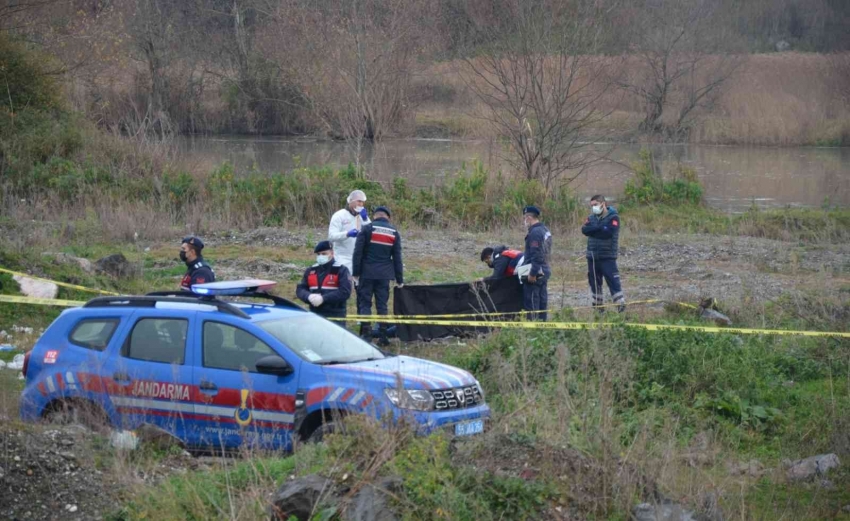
(501,295)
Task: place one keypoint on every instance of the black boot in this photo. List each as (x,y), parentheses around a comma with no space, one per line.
(366,332)
(383,341)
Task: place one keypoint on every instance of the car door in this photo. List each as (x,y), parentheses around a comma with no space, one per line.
(237,404)
(149,379)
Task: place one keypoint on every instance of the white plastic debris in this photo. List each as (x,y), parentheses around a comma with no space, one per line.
(17,363)
(7,347)
(2,364)
(124,440)
(24,330)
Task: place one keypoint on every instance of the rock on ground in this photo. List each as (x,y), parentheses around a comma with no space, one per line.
(36,288)
(303,497)
(299,497)
(752,468)
(64,258)
(808,468)
(371,502)
(715,316)
(662,512)
(116,265)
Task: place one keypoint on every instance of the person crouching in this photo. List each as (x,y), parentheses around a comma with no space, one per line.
(326,285)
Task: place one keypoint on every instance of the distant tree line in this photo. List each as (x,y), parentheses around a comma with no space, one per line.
(544,71)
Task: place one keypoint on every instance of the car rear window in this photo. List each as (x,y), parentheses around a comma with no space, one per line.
(94,333)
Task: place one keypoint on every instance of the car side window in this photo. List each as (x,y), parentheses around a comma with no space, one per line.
(228,347)
(94,333)
(158,340)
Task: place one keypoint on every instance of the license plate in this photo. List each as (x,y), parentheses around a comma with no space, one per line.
(469,428)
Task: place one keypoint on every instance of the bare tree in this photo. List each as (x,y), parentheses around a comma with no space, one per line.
(354,60)
(681,60)
(539,76)
(153,28)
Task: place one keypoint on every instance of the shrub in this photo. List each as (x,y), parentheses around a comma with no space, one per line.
(23,73)
(649,187)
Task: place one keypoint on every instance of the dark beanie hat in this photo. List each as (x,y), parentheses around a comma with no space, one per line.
(323,246)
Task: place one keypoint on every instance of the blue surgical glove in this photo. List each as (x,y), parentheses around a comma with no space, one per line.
(364,214)
(352,233)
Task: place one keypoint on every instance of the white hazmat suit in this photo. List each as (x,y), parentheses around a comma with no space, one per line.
(342,222)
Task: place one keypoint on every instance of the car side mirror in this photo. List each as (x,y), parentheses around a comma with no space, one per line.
(274,364)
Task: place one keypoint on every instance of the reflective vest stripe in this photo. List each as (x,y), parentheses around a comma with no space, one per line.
(383,239)
(331,280)
(515,255)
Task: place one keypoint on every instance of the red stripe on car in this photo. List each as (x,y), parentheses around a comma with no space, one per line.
(317,395)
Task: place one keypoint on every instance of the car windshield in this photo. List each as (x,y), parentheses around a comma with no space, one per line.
(318,341)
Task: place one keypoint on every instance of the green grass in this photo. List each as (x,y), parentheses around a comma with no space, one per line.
(234,489)
(597,391)
(770,500)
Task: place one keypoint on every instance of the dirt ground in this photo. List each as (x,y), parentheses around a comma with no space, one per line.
(688,267)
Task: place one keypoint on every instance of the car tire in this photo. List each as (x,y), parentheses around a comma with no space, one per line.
(318,435)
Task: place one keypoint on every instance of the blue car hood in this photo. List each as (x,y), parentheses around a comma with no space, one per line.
(415,372)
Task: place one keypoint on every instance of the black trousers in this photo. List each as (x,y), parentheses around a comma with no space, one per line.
(535,297)
(368,288)
(604,270)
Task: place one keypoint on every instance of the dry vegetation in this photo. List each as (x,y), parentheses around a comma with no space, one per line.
(390,67)
(785,99)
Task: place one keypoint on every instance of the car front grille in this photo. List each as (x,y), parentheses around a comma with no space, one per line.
(457,398)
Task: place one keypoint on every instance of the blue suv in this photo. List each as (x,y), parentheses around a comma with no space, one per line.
(222,374)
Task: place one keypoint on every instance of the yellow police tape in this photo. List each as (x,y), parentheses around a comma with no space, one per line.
(14,299)
(63,284)
(594,325)
(506,313)
(511,324)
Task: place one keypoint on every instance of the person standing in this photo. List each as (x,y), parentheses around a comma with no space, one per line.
(344,226)
(538,248)
(377,261)
(326,285)
(197,270)
(602,229)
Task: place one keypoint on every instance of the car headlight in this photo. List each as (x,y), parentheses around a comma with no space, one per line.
(480,390)
(415,399)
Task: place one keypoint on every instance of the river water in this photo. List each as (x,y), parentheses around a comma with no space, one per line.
(734,177)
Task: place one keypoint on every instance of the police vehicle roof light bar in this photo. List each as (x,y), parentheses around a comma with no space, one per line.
(250,288)
(232,287)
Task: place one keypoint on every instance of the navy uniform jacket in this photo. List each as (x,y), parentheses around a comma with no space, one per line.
(377,253)
(199,272)
(538,247)
(330,280)
(504,262)
(603,235)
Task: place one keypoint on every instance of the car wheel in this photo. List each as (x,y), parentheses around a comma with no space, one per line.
(318,435)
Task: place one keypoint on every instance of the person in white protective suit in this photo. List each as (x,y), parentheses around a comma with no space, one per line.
(345,224)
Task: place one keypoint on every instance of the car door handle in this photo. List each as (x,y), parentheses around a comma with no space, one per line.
(121,377)
(208,386)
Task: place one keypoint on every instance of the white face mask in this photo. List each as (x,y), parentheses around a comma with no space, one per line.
(323,259)
(597,209)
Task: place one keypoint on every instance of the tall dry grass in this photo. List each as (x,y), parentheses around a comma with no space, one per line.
(781,99)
